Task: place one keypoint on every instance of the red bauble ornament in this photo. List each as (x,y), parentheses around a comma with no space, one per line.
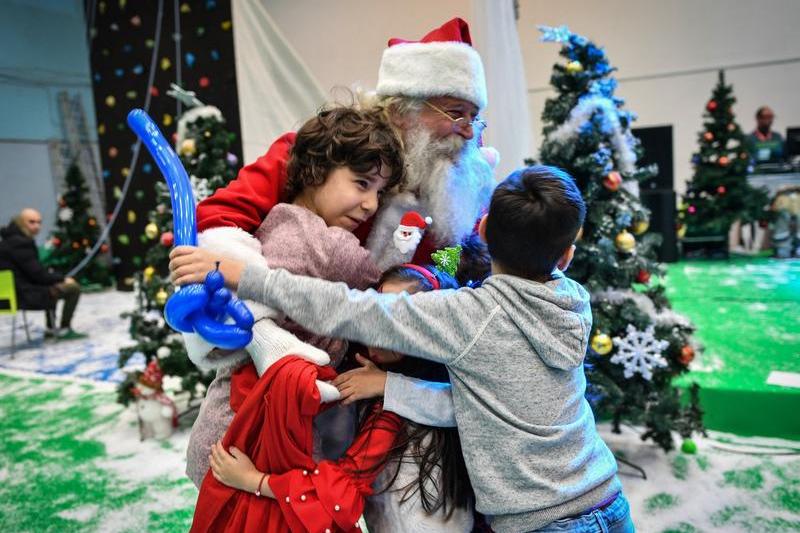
(691,209)
(643,276)
(687,355)
(612,181)
(711,105)
(167,238)
(153,90)
(104,248)
(723,161)
(708,136)
(56,242)
(721,189)
(204,82)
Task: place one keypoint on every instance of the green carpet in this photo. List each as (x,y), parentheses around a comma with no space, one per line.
(69,461)
(747,313)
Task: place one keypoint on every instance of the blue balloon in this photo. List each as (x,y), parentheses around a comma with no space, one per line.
(200,308)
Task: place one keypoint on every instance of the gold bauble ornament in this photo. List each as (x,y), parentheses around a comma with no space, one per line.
(625,242)
(188,147)
(602,343)
(682,231)
(573,67)
(161,297)
(640,226)
(151,231)
(148,273)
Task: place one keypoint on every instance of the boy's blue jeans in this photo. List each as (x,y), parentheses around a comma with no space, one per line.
(615,518)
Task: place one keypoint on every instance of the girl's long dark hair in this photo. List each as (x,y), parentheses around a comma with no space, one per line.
(443,482)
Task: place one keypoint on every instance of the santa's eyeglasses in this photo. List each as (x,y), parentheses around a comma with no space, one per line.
(459,121)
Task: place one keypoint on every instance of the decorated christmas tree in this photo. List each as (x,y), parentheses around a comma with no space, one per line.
(204,148)
(638,344)
(76,232)
(718,193)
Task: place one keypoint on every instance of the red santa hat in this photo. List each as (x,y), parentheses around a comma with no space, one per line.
(413,220)
(443,63)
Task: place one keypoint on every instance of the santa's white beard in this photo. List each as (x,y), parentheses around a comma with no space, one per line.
(452,181)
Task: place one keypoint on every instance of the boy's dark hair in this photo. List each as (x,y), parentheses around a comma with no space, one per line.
(475,264)
(534,216)
(342,137)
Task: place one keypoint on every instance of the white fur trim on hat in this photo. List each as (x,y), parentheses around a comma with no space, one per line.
(425,70)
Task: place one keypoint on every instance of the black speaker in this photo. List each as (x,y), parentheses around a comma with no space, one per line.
(657,144)
(661,204)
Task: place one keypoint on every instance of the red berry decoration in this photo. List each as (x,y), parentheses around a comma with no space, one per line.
(612,181)
(167,238)
(687,355)
(56,242)
(712,105)
(204,82)
(721,189)
(643,276)
(708,136)
(723,161)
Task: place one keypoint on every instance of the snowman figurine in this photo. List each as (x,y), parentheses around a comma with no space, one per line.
(156,411)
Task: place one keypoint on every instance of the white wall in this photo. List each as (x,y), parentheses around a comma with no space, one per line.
(341,42)
(656,38)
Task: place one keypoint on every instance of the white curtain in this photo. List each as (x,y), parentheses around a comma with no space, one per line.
(494,34)
(277,91)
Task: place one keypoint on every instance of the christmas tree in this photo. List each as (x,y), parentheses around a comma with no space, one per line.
(718,193)
(638,344)
(76,233)
(204,148)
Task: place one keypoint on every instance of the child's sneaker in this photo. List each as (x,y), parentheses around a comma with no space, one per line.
(71,335)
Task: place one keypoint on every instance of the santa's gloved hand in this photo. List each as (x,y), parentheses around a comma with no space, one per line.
(206,356)
(271,342)
(327,392)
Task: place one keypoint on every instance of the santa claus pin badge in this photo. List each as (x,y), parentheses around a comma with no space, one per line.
(409,232)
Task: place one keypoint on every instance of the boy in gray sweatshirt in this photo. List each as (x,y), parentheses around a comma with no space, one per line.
(514,349)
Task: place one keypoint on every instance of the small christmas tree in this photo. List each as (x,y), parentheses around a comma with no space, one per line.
(718,193)
(204,147)
(76,232)
(637,345)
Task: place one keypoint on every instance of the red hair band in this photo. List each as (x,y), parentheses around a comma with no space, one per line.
(425,274)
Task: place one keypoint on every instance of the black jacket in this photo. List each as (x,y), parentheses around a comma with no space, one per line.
(18,253)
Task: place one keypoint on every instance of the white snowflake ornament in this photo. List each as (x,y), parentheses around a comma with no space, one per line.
(639,352)
(65,214)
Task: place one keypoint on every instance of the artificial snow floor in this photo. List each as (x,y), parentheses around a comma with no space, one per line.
(71,459)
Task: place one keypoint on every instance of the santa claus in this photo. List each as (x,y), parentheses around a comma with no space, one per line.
(433,90)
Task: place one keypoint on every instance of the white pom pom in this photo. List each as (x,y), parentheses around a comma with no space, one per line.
(491,155)
(428,220)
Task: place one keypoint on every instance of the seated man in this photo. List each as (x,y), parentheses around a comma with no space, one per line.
(36,287)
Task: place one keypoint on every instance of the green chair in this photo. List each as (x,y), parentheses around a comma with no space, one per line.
(8,302)
(8,306)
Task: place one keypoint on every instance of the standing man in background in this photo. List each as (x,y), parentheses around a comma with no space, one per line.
(766,146)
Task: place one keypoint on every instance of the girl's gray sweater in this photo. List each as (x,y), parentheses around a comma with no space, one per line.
(514,349)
